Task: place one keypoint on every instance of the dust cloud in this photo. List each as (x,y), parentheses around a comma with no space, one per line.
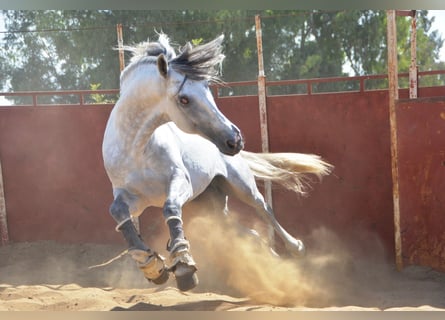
(230,260)
(233,261)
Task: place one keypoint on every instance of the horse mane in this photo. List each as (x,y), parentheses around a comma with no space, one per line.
(201,62)
(151,49)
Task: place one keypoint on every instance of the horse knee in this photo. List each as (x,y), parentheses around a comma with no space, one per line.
(119,210)
(172,215)
(171,210)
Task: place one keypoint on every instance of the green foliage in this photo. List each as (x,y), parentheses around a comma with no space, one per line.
(98,98)
(196,42)
(69,50)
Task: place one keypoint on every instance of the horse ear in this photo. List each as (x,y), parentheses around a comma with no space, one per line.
(162,65)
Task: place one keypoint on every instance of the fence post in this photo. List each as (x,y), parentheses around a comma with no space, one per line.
(263,116)
(120,44)
(393,97)
(413,83)
(4,235)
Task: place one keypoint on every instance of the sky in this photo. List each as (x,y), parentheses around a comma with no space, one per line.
(438,24)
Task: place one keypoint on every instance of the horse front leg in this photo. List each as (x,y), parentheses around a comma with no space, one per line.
(148,261)
(181,261)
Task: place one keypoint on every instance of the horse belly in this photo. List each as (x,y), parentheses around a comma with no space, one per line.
(202,167)
(150,186)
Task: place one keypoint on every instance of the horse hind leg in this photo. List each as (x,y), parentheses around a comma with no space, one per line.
(217,193)
(245,189)
(149,262)
(294,246)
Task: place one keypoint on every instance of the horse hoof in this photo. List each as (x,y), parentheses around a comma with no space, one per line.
(297,249)
(151,264)
(186,277)
(163,277)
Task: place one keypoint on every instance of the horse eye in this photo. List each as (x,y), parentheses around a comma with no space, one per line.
(184,100)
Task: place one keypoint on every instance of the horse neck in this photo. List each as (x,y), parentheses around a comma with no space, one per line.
(139,111)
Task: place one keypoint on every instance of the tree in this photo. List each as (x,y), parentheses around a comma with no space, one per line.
(65,50)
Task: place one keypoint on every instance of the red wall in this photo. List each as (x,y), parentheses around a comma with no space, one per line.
(54,180)
(421,137)
(56,187)
(350,131)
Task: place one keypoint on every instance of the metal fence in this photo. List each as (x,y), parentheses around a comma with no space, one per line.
(240,88)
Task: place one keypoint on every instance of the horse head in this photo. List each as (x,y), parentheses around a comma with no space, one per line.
(191,105)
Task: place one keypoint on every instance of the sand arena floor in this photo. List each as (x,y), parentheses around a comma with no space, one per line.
(235,274)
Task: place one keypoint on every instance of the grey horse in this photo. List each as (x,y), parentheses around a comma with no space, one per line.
(166,141)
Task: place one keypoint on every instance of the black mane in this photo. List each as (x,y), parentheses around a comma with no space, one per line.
(201,62)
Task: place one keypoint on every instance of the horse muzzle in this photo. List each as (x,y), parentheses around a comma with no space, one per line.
(235,144)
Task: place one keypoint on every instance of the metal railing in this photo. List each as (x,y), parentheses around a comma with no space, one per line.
(83,97)
(307,87)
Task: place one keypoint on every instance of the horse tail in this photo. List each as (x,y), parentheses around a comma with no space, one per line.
(290,170)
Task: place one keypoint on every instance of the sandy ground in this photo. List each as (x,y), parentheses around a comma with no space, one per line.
(235,274)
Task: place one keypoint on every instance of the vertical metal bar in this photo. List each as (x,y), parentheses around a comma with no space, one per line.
(393,97)
(4,235)
(215,92)
(413,66)
(120,44)
(261,88)
(263,115)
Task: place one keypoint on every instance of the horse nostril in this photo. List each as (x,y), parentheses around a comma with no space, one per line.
(235,144)
(231,144)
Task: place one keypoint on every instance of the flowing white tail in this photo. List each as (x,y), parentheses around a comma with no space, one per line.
(290,170)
